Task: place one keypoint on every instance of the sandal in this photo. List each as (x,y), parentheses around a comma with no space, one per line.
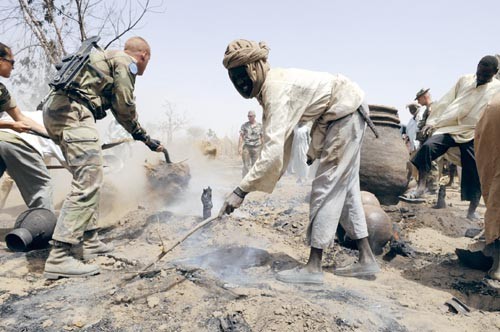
(412,197)
(357,270)
(300,276)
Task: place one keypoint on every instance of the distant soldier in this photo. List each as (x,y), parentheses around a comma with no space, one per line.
(250,142)
(107,82)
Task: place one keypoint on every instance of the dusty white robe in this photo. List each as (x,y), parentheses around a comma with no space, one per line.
(292,95)
(335,193)
(458,112)
(287,97)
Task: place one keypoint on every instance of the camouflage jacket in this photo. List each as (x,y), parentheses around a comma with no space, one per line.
(109,84)
(251,134)
(7,102)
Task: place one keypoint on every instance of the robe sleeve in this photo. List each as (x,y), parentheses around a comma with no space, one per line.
(437,115)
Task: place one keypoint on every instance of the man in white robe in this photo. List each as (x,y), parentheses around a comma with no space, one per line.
(289,96)
(452,123)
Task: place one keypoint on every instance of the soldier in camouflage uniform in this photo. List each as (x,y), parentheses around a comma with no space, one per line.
(250,142)
(22,160)
(107,82)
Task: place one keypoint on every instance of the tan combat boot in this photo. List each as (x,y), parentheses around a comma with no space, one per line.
(60,263)
(92,246)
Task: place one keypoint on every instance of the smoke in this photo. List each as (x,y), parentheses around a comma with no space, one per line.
(231,264)
(217,173)
(226,258)
(125,183)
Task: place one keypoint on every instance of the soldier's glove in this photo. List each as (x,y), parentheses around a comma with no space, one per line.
(233,201)
(153,144)
(140,135)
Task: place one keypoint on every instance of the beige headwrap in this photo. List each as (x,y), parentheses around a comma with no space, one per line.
(253,55)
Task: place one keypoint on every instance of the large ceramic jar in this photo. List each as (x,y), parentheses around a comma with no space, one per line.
(383,159)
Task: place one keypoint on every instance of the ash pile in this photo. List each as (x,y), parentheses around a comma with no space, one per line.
(167,180)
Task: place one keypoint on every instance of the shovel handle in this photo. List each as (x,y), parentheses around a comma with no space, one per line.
(167,157)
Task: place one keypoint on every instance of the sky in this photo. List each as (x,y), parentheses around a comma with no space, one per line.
(390,48)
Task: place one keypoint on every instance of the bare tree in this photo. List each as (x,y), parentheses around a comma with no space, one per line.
(54,26)
(44,31)
(195,132)
(174,121)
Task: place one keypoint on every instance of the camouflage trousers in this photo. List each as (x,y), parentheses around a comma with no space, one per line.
(249,155)
(72,127)
(27,168)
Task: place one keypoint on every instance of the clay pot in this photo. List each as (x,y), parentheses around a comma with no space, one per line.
(379,227)
(379,230)
(383,159)
(368,198)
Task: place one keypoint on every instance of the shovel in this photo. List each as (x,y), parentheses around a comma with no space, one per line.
(108,145)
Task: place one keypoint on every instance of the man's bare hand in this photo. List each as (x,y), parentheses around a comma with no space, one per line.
(20,126)
(427,130)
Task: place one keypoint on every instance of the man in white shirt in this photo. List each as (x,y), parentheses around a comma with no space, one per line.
(412,126)
(452,123)
(334,103)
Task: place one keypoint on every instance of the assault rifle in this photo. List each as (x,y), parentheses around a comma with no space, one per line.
(72,64)
(69,67)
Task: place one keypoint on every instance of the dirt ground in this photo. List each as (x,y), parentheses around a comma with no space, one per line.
(223,277)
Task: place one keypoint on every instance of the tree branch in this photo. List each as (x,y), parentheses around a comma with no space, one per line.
(31,21)
(50,12)
(81,23)
(131,25)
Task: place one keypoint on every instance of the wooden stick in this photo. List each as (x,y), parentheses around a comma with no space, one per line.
(188,234)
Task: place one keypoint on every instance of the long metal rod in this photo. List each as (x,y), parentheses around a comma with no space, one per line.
(182,239)
(179,241)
